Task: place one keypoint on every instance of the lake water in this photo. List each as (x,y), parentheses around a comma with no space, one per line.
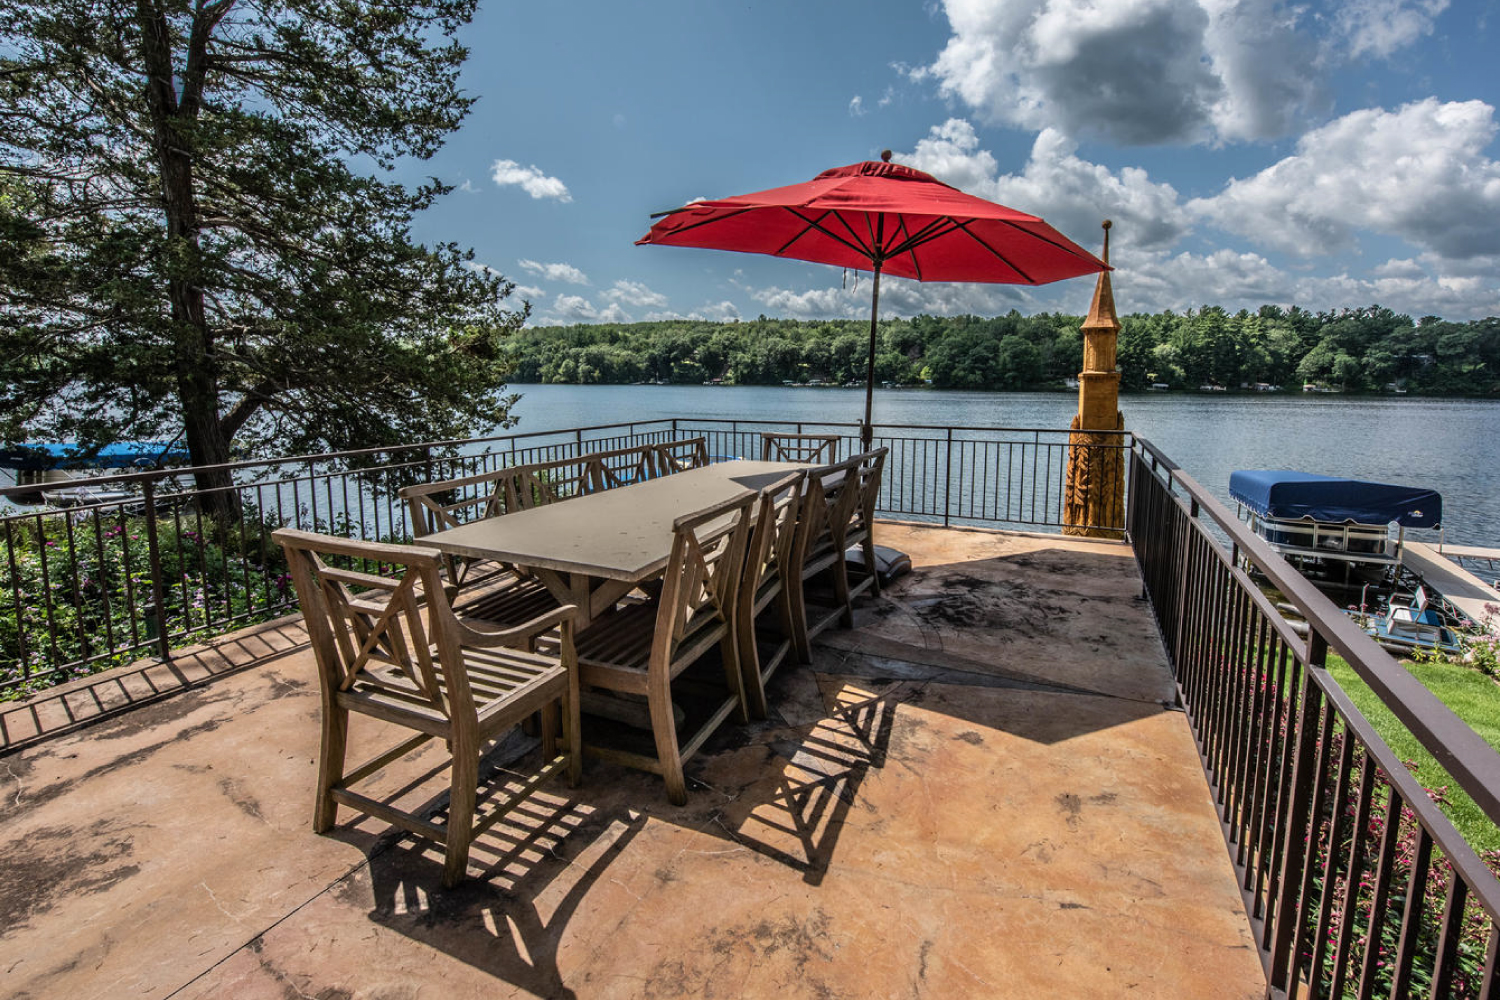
(1452,446)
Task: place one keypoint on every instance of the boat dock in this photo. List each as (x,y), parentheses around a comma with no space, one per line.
(1463,589)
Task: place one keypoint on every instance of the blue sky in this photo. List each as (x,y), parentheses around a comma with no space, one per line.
(1323,154)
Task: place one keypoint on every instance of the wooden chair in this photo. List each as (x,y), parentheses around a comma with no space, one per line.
(807,448)
(679,456)
(827,505)
(768,567)
(640,649)
(379,655)
(860,528)
(499,593)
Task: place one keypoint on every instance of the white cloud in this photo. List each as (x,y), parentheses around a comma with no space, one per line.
(633,293)
(529,179)
(555,272)
(1150,281)
(1072,194)
(577,309)
(721,312)
(898,297)
(1380,27)
(1418,173)
(857,107)
(528,292)
(467,187)
(1131,71)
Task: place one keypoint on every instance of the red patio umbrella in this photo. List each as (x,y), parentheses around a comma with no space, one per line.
(885,218)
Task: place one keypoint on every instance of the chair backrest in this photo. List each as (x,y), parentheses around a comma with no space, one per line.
(862,508)
(827,504)
(560,479)
(451,502)
(701,582)
(368,628)
(679,456)
(623,466)
(821,448)
(772,537)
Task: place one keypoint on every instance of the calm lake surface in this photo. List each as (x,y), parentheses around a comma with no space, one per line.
(1452,446)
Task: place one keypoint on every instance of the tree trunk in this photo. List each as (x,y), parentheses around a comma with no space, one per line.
(197,378)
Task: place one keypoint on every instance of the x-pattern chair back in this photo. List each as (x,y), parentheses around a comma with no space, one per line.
(867,495)
(447,504)
(806,448)
(624,466)
(772,540)
(679,456)
(832,491)
(702,576)
(377,634)
(561,479)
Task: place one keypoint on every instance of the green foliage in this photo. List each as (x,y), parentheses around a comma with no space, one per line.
(192,249)
(75,581)
(1358,350)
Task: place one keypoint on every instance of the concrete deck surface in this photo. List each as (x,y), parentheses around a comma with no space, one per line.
(981,791)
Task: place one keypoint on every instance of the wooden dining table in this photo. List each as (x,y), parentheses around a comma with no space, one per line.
(592,550)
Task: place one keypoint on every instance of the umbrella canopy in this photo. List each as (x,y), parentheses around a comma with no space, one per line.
(885,218)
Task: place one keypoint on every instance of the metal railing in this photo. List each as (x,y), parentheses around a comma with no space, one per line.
(104,583)
(1355,881)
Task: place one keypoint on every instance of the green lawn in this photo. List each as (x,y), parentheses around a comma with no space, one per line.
(1476,700)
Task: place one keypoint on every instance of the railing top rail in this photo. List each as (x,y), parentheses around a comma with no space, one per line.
(535,437)
(1462,752)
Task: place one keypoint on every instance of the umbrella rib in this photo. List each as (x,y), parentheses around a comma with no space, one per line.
(1070,251)
(705,222)
(1028,279)
(818,225)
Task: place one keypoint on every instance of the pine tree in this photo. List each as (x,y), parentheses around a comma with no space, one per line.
(189,246)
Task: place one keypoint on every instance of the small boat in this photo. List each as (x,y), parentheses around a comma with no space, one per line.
(1322,523)
(1406,628)
(49,468)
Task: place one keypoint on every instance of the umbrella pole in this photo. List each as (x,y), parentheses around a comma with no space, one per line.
(866,432)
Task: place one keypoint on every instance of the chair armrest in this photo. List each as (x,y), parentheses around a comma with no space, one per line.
(518,635)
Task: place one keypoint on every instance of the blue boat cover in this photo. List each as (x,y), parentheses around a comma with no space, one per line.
(121,455)
(1281,493)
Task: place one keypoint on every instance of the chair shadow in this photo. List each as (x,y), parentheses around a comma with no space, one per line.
(528,874)
(795,816)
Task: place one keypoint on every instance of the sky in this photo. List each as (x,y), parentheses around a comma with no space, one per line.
(1328,155)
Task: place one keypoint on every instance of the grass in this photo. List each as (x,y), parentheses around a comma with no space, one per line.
(1474,697)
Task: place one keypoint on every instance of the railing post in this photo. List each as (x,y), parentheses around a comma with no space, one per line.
(948,479)
(153,548)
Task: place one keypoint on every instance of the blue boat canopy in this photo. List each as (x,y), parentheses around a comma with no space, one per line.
(121,455)
(1287,495)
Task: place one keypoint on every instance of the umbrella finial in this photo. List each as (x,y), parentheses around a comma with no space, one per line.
(1107,224)
(885,156)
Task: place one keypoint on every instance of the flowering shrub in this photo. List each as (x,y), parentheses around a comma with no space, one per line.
(69,585)
(1474,927)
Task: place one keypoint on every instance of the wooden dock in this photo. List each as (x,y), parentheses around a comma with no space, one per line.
(1463,589)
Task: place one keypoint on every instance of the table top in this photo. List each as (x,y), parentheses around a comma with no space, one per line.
(619,534)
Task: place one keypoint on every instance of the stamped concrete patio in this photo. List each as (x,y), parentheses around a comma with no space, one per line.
(981,791)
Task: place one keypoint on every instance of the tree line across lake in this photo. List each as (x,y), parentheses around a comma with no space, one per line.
(1367,349)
